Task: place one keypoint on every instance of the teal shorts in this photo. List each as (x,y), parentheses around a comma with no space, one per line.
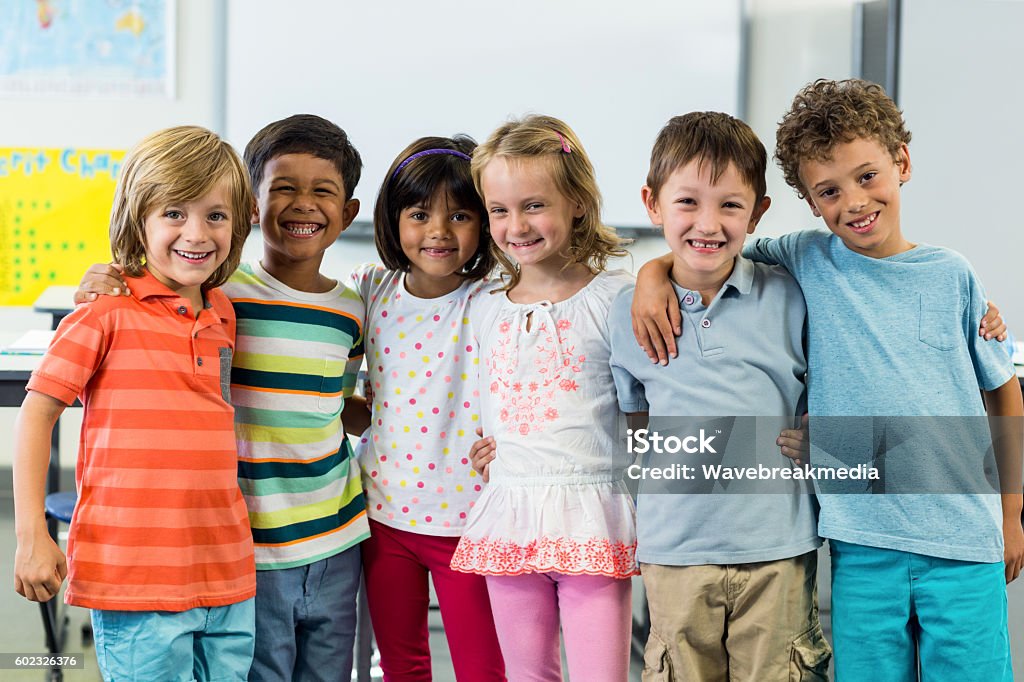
(893,611)
(209,644)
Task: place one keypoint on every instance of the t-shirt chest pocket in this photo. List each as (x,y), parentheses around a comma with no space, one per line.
(939,320)
(330,398)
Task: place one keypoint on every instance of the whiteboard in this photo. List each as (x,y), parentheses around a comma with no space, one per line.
(389,72)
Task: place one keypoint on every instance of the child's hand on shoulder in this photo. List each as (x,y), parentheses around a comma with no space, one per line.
(657,320)
(992,325)
(482,453)
(101,279)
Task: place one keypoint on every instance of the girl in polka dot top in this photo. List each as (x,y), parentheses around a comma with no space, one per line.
(430,231)
(553,532)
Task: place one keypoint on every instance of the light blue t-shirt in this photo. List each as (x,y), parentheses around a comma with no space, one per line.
(740,356)
(897,336)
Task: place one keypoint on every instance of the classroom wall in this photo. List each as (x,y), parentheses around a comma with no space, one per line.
(960,90)
(790,43)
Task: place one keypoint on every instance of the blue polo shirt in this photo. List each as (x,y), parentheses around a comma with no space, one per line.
(740,356)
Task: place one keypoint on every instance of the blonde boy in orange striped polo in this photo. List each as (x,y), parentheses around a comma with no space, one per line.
(159,546)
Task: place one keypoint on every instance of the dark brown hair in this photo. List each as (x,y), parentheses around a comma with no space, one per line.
(713,138)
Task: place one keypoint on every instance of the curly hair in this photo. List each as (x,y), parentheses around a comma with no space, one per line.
(552,141)
(827,113)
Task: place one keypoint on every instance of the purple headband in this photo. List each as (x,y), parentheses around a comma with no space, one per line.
(428,152)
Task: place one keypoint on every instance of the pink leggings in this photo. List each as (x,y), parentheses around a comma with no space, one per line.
(596,618)
(396,564)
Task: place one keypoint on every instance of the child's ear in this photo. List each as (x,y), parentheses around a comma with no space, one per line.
(903,163)
(651,204)
(254,217)
(580,211)
(759,211)
(814,209)
(349,213)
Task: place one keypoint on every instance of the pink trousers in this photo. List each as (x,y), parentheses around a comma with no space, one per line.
(595,615)
(396,564)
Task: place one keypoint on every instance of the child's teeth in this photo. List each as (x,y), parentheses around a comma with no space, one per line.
(303,229)
(865,222)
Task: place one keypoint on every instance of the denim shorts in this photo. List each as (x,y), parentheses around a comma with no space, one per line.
(306,620)
(208,644)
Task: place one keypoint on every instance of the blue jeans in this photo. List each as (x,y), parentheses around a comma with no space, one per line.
(306,620)
(893,611)
(210,644)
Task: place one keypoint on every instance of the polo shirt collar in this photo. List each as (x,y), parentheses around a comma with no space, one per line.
(147,286)
(741,279)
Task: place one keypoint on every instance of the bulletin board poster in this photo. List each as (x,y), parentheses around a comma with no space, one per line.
(54,217)
(88,48)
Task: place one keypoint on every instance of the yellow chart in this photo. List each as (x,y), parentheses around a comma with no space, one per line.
(54,217)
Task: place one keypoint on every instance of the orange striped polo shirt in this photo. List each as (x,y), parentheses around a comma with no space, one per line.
(160,524)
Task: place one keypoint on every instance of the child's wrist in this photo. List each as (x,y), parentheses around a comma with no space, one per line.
(26,529)
(1013,505)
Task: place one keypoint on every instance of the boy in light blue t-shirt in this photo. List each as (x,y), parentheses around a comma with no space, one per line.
(892,333)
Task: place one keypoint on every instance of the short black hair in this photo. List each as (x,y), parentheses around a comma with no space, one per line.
(304,134)
(415,185)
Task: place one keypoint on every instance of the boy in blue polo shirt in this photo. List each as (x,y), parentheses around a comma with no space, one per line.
(730,577)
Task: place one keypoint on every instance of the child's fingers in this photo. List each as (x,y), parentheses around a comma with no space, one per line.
(992,324)
(794,438)
(675,317)
(643,338)
(666,331)
(656,349)
(486,473)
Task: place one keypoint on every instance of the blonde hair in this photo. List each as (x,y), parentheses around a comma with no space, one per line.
(591,242)
(178,164)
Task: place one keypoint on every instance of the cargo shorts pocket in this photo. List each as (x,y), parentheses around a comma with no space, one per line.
(809,656)
(657,662)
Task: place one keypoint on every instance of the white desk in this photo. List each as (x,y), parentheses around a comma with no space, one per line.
(56,301)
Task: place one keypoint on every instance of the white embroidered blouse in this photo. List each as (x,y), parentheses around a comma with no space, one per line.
(556,501)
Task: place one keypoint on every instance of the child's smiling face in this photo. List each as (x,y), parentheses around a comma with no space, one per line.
(705,221)
(301,208)
(530,219)
(186,241)
(857,193)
